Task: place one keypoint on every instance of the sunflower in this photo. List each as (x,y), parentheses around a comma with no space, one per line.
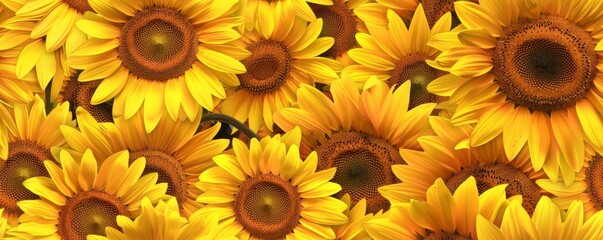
(81,198)
(171,55)
(265,191)
(281,59)
(446,156)
(353,229)
(47,31)
(586,188)
(172,150)
(547,222)
(531,73)
(28,136)
(443,215)
(358,133)
(161,222)
(398,54)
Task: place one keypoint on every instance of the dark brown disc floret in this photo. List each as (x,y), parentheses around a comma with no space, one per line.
(168,169)
(25,160)
(158,44)
(414,69)
(267,67)
(89,212)
(267,206)
(489,176)
(339,23)
(363,165)
(545,64)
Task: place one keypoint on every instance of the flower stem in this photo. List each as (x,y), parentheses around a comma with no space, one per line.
(231,121)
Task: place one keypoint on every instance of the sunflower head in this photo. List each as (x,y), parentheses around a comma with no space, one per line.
(529,72)
(81,198)
(167,49)
(396,54)
(282,58)
(27,142)
(266,191)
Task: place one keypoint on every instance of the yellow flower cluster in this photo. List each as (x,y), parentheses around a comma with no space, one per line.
(301,119)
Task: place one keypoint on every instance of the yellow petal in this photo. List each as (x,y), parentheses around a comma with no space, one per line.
(473,15)
(87,171)
(323,215)
(491,124)
(547,219)
(46,188)
(29,57)
(97,29)
(229,163)
(467,202)
(219,61)
(110,86)
(590,120)
(564,129)
(539,139)
(100,70)
(516,133)
(477,37)
(487,230)
(370,58)
(517,223)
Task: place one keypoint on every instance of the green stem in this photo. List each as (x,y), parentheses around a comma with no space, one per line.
(47,104)
(231,121)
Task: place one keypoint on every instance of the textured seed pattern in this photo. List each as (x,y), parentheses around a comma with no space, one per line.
(489,176)
(268,206)
(545,64)
(25,160)
(339,23)
(89,213)
(158,44)
(363,165)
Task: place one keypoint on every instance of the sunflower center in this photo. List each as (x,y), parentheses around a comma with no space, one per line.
(489,176)
(594,181)
(168,169)
(267,67)
(445,236)
(339,23)
(80,6)
(363,165)
(414,69)
(545,64)
(89,212)
(25,160)
(267,206)
(79,94)
(158,44)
